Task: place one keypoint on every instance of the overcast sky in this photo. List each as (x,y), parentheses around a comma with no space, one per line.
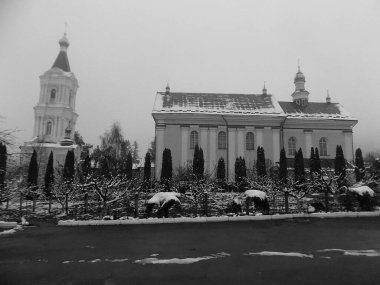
(123,52)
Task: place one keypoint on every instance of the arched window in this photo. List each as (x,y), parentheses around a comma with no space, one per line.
(52,95)
(323,147)
(222,140)
(292,146)
(193,139)
(48,128)
(249,141)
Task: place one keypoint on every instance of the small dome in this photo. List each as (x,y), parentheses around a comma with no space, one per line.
(299,76)
(64,41)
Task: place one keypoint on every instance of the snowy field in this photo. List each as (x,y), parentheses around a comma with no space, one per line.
(298,251)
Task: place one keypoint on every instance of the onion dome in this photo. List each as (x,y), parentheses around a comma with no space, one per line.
(299,76)
(64,42)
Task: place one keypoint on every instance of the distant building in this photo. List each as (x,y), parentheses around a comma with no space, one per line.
(54,115)
(233,125)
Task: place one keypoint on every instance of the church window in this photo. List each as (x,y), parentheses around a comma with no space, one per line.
(52,95)
(323,147)
(292,146)
(222,140)
(249,141)
(49,128)
(193,139)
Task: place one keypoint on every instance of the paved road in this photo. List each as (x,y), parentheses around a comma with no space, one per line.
(257,252)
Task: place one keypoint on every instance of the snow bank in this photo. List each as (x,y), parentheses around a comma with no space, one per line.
(256,194)
(161,198)
(189,260)
(11,231)
(362,190)
(275,253)
(354,252)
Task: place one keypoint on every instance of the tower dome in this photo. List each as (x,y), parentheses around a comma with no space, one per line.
(64,42)
(300,95)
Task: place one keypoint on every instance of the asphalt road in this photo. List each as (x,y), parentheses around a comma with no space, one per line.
(212,253)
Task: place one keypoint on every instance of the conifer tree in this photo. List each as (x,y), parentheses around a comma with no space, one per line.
(68,167)
(196,160)
(166,169)
(147,167)
(3,166)
(317,161)
(128,166)
(283,166)
(260,163)
(221,170)
(240,169)
(86,166)
(359,163)
(49,176)
(299,167)
(201,163)
(32,181)
(312,162)
(340,162)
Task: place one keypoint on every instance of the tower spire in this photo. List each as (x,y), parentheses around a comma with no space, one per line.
(62,61)
(264,89)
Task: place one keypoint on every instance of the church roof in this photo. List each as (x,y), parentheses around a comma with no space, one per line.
(216,103)
(62,61)
(315,110)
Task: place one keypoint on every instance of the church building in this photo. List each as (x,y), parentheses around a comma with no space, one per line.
(233,125)
(54,115)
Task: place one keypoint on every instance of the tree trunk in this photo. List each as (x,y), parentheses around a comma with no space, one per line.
(34,204)
(327,200)
(136,205)
(85,203)
(105,207)
(196,206)
(247,206)
(20,205)
(205,206)
(7,204)
(50,204)
(66,203)
(286,202)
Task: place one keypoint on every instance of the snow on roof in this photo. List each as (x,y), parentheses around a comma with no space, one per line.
(216,103)
(316,110)
(361,190)
(256,194)
(161,198)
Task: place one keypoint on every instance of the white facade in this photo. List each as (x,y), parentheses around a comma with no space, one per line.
(247,121)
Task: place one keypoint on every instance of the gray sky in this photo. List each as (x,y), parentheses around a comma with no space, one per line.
(122,52)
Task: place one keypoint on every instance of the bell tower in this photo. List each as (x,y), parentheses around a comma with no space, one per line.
(54,114)
(300,95)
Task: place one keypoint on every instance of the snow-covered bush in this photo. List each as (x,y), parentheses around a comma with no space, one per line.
(259,199)
(164,201)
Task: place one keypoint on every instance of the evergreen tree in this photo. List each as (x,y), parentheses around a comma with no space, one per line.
(196,160)
(283,166)
(86,166)
(32,181)
(260,163)
(221,170)
(147,167)
(299,167)
(359,163)
(135,152)
(49,176)
(340,162)
(68,167)
(201,161)
(317,161)
(104,167)
(240,169)
(312,162)
(166,169)
(3,165)
(129,165)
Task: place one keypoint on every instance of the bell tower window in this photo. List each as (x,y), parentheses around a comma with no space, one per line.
(49,128)
(52,95)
